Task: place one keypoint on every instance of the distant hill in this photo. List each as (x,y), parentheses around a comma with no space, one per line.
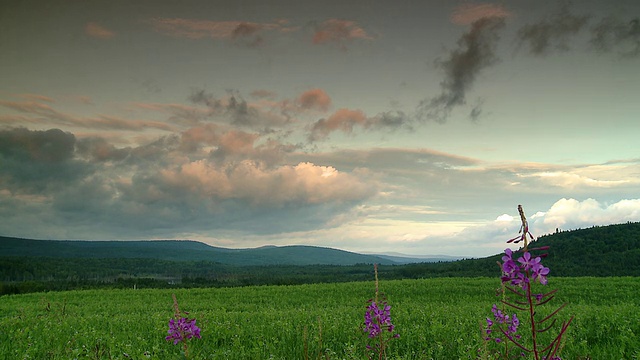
(185,250)
(612,250)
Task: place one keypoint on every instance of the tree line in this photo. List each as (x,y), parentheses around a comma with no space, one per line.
(612,250)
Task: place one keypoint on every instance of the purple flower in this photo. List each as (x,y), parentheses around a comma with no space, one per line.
(488,329)
(182,330)
(512,322)
(498,315)
(511,271)
(377,319)
(540,274)
(513,326)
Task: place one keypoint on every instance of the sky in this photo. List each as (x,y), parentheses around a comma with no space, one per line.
(415,127)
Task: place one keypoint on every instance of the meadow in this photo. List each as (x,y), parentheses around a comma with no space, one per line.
(440,318)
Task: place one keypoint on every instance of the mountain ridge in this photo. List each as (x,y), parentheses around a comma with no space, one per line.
(185,250)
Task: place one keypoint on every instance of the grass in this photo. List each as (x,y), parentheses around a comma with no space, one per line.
(436,318)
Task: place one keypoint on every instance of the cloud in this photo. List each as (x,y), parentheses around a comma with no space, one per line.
(570,213)
(577,179)
(239,32)
(489,238)
(263,94)
(316,99)
(98,31)
(304,183)
(553,33)
(339,32)
(46,114)
(176,113)
(573,180)
(40,146)
(614,35)
(343,119)
(235,110)
(266,114)
(37,161)
(36,97)
(467,14)
(347,121)
(98,149)
(388,160)
(475,52)
(210,177)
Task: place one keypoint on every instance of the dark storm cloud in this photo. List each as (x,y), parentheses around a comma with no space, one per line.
(38,160)
(209,177)
(554,33)
(614,35)
(48,146)
(475,52)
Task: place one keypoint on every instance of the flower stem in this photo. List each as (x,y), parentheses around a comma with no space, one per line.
(533,321)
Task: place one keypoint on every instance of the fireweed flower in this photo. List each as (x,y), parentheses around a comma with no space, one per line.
(182,330)
(378,319)
(518,277)
(377,324)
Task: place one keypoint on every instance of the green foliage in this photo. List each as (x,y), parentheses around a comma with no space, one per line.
(437,319)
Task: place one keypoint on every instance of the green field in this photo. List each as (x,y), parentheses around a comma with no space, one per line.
(436,318)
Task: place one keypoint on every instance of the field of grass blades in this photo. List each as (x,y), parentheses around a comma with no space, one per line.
(436,319)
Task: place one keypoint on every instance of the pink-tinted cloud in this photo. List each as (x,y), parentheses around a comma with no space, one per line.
(305,183)
(466,14)
(238,142)
(315,99)
(347,121)
(206,134)
(343,119)
(98,31)
(339,32)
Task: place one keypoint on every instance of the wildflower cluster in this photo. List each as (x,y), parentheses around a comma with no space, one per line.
(377,319)
(181,328)
(512,322)
(517,278)
(517,272)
